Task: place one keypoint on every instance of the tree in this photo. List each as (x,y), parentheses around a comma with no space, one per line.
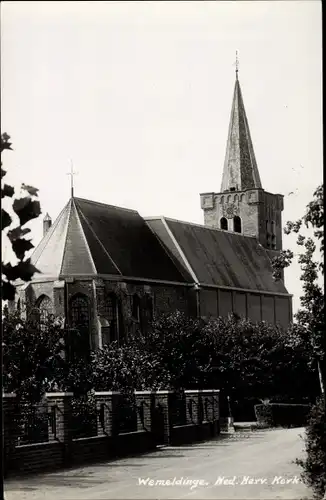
(32,355)
(132,366)
(26,208)
(35,358)
(310,316)
(314,464)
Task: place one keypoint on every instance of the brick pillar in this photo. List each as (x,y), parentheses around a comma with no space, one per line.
(144,403)
(192,403)
(230,427)
(164,400)
(106,405)
(59,405)
(216,410)
(9,430)
(208,403)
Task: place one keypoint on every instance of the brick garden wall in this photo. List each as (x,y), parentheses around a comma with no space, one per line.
(62,450)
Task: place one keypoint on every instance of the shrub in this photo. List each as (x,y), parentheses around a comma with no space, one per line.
(280,414)
(264,415)
(314,467)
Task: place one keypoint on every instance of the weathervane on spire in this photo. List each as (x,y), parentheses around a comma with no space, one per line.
(236,64)
(72,173)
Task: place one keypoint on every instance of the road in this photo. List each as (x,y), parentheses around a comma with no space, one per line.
(245,465)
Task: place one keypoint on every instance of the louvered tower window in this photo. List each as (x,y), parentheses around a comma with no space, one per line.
(237,224)
(224,223)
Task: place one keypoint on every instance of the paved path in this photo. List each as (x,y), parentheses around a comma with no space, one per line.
(256,465)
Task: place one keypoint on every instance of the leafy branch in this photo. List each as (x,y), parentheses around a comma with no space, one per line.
(26,208)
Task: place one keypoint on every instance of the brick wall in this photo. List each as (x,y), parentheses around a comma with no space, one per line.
(208,303)
(268,308)
(283,306)
(61,450)
(224,303)
(171,297)
(255,206)
(240,304)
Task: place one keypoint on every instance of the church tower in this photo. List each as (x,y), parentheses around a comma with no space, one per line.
(242,205)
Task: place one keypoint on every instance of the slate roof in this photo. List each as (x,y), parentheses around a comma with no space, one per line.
(240,166)
(90,238)
(218,257)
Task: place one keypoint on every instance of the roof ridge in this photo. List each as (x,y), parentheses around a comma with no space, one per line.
(172,257)
(74,212)
(203,226)
(106,205)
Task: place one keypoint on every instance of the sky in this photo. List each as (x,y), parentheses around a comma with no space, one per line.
(137,96)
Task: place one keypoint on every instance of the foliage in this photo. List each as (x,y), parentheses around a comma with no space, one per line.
(236,356)
(126,368)
(314,466)
(31,355)
(240,358)
(26,208)
(263,413)
(35,361)
(310,317)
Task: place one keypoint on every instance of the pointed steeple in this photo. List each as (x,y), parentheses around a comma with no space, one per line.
(240,167)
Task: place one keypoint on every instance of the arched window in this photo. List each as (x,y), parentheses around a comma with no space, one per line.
(147,310)
(79,311)
(237,224)
(136,307)
(236,198)
(45,306)
(110,313)
(80,321)
(224,223)
(273,235)
(268,242)
(41,311)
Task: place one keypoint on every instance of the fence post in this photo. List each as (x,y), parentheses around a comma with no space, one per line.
(143,403)
(106,405)
(61,431)
(10,429)
(193,402)
(164,400)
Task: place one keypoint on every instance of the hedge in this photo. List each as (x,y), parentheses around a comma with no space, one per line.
(314,466)
(281,414)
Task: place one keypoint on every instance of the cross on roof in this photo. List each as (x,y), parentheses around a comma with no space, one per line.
(72,173)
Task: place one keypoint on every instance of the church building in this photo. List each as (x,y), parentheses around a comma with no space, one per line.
(108,271)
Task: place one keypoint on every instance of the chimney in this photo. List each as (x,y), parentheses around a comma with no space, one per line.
(47,223)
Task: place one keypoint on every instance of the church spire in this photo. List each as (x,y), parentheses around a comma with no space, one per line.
(240,167)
